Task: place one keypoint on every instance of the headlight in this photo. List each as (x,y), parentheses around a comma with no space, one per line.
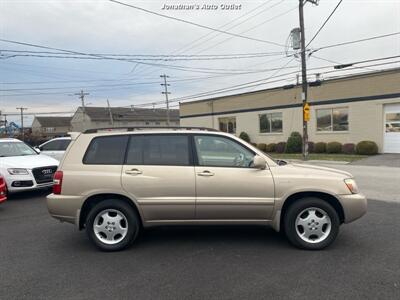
(18,171)
(351,185)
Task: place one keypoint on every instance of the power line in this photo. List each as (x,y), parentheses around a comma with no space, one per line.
(196,24)
(326,21)
(339,63)
(356,41)
(249,29)
(148,55)
(236,25)
(136,83)
(123,85)
(255,83)
(180,68)
(251,82)
(223,41)
(353,68)
(203,94)
(209,33)
(127,57)
(194,42)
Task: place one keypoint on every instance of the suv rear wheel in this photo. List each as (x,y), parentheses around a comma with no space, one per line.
(112,225)
(311,223)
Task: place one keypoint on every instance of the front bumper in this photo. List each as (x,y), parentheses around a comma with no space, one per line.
(27,183)
(354,206)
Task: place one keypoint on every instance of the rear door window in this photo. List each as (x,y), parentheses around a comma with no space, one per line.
(156,149)
(107,150)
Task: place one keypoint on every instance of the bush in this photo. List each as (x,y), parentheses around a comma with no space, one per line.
(294,143)
(334,147)
(280,147)
(254,144)
(271,148)
(349,148)
(311,147)
(262,146)
(320,147)
(367,148)
(244,136)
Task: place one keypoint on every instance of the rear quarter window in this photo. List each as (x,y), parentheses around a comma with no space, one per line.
(107,150)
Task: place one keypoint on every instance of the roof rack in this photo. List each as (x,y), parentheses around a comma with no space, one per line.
(147,127)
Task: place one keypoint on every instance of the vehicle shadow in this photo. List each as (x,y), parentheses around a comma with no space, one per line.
(42,193)
(207,234)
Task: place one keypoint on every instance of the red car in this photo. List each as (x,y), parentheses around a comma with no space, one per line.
(3,190)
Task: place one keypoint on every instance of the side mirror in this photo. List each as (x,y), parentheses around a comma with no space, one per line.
(281,162)
(37,149)
(259,162)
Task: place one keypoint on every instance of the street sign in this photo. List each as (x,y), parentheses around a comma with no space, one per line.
(306,112)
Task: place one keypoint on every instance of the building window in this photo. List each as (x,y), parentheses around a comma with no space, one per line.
(333,119)
(49,129)
(227,124)
(271,123)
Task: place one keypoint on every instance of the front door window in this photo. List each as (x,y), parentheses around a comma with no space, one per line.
(221,152)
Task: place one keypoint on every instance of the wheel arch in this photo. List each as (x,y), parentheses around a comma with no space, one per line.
(91,201)
(330,199)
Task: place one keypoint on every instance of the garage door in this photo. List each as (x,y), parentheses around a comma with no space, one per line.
(392,128)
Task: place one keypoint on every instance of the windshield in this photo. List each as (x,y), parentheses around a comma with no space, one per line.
(15,149)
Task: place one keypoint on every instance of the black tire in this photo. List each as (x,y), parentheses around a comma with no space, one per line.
(290,223)
(131,216)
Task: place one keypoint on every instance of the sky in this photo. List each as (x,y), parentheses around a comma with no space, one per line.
(104,28)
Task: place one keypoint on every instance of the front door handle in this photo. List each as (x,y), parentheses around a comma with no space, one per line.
(206,173)
(133,172)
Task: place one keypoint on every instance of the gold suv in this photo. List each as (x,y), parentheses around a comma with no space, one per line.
(113,183)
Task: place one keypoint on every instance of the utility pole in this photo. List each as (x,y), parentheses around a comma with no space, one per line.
(304,76)
(82,95)
(109,111)
(166,93)
(5,124)
(22,121)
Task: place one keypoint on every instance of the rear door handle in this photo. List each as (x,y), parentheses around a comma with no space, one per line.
(205,173)
(133,172)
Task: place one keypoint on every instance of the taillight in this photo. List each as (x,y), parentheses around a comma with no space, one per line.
(58,177)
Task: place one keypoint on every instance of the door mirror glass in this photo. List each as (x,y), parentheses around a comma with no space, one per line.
(259,162)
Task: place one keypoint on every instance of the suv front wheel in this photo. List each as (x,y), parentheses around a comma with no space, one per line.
(311,223)
(112,225)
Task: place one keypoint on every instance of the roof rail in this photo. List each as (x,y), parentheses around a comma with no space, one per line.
(148,127)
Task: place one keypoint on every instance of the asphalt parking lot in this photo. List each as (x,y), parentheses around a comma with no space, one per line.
(43,259)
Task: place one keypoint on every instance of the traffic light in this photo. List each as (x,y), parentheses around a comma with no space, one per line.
(306,112)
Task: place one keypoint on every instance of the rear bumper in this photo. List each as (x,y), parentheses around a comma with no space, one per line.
(65,208)
(354,206)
